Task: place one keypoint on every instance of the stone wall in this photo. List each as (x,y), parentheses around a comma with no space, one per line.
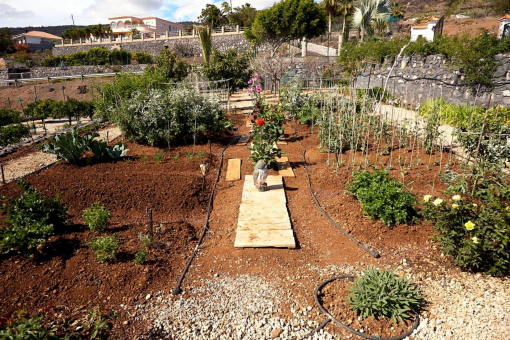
(417,79)
(222,42)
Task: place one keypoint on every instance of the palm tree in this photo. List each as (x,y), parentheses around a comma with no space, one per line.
(331,7)
(204,34)
(368,12)
(345,8)
(398,11)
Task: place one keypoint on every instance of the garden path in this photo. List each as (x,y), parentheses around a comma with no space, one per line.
(263,217)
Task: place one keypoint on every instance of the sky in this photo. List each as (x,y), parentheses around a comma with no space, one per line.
(21,13)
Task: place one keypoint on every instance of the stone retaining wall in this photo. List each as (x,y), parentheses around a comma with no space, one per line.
(222,42)
(417,79)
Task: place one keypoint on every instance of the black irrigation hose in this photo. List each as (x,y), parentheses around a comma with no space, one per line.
(371,252)
(177,290)
(332,318)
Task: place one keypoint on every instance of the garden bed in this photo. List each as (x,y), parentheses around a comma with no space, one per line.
(69,278)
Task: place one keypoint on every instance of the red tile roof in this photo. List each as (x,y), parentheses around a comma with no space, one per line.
(507,16)
(40,34)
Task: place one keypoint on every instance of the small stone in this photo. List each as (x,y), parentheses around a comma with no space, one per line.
(276,332)
(125,323)
(147,297)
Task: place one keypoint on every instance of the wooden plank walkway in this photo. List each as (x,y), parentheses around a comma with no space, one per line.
(284,168)
(233,170)
(263,217)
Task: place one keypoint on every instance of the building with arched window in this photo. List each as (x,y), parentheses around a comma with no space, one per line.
(149,25)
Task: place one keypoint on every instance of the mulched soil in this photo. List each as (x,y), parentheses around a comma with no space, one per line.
(68,277)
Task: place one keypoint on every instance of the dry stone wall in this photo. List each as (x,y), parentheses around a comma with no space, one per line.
(417,79)
(222,42)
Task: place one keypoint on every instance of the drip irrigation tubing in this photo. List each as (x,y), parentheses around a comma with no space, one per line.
(371,252)
(332,318)
(177,290)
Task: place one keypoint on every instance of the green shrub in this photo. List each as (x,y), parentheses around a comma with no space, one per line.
(158,156)
(141,57)
(105,248)
(475,229)
(163,116)
(99,323)
(382,196)
(13,133)
(379,293)
(228,65)
(141,256)
(22,327)
(96,216)
(101,150)
(8,117)
(31,220)
(69,146)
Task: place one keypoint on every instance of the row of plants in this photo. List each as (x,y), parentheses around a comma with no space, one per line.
(473,55)
(97,56)
(11,129)
(70,108)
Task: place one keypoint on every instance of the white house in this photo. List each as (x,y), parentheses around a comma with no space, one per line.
(428,30)
(504,26)
(36,40)
(148,25)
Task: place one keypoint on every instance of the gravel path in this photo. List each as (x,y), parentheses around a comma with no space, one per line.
(460,306)
(20,167)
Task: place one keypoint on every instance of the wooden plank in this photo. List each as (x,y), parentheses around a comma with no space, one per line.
(233,169)
(265,238)
(262,226)
(284,168)
(243,140)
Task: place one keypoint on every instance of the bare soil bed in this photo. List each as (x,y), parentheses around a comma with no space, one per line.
(68,277)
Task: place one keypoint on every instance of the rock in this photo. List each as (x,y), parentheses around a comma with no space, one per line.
(276,332)
(147,297)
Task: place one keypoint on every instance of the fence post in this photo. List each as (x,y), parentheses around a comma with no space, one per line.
(180,34)
(155,35)
(166,34)
(303,47)
(237,28)
(222,30)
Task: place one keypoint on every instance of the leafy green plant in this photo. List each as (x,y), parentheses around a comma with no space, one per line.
(8,117)
(105,248)
(158,156)
(102,150)
(145,239)
(175,157)
(200,155)
(189,156)
(141,256)
(69,146)
(382,197)
(143,158)
(379,293)
(13,133)
(20,326)
(228,65)
(31,220)
(96,216)
(99,323)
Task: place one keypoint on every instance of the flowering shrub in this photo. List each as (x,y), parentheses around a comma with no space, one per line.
(382,197)
(268,126)
(475,235)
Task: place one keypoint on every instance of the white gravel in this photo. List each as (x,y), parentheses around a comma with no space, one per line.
(460,306)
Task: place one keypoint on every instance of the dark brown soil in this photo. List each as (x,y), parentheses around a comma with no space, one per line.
(67,275)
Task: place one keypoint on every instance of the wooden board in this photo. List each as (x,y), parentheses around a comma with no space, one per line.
(284,168)
(233,170)
(263,216)
(243,140)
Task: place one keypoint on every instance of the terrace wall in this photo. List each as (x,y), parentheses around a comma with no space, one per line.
(417,79)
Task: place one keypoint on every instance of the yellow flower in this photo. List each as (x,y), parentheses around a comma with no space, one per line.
(507,208)
(475,205)
(438,201)
(426,198)
(455,206)
(474,239)
(469,225)
(456,198)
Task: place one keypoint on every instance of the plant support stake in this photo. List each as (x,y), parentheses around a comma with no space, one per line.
(151,229)
(3,177)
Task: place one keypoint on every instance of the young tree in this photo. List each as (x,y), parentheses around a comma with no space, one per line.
(229,65)
(5,40)
(213,16)
(287,20)
(330,6)
(345,8)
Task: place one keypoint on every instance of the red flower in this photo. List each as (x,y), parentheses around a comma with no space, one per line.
(260,122)
(254,116)
(260,111)
(257,104)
